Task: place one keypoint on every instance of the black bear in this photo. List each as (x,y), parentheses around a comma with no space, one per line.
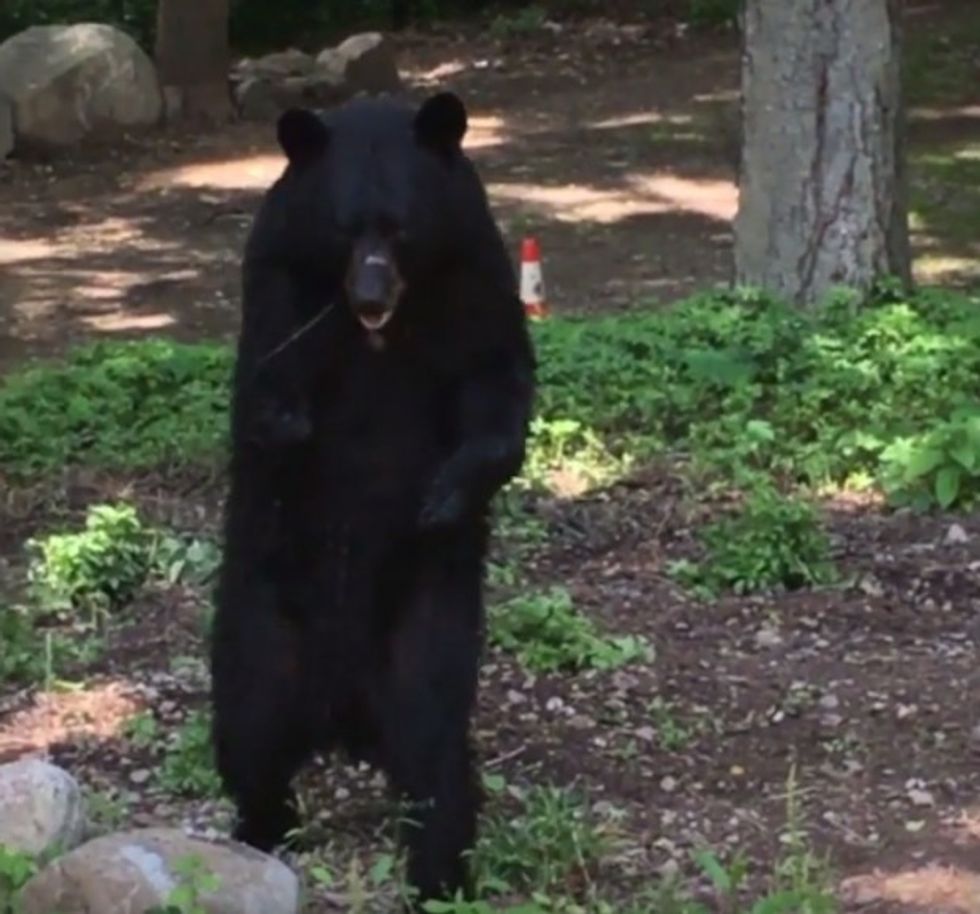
(383,388)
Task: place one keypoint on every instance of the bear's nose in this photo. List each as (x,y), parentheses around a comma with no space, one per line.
(371,288)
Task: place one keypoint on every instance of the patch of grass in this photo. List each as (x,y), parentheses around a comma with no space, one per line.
(551,845)
(547,633)
(188,764)
(37,650)
(117,405)
(740,384)
(773,541)
(673,733)
(107,811)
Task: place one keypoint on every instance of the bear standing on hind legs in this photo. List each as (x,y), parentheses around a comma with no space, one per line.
(382,395)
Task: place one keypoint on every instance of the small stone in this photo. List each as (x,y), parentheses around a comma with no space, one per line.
(956,536)
(829,702)
(919,797)
(647,734)
(554,704)
(140,776)
(767,637)
(668,784)
(515,697)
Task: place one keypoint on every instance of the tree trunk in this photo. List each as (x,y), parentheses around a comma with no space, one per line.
(193,58)
(822,184)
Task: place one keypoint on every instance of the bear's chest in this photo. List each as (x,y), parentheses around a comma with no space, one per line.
(383,422)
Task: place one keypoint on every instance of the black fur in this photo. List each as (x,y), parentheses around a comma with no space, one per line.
(349,609)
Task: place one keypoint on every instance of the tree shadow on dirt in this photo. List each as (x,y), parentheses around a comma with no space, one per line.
(154,246)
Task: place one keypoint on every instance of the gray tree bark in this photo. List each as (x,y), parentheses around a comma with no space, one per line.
(193,58)
(822,199)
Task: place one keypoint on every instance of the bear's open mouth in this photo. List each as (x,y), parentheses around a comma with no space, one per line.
(374,319)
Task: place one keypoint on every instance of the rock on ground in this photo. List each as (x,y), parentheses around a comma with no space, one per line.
(262,98)
(365,63)
(131,872)
(41,807)
(267,86)
(68,82)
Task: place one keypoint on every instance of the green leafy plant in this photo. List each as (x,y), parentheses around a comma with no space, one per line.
(188,764)
(940,466)
(547,633)
(96,569)
(188,560)
(774,541)
(16,868)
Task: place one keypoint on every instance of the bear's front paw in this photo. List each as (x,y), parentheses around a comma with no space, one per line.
(443,508)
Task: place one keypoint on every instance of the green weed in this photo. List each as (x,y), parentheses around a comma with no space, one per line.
(547,633)
(194,881)
(553,841)
(142,730)
(16,868)
(188,764)
(35,652)
(773,541)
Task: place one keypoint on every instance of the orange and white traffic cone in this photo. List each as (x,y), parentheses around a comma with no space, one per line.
(532,280)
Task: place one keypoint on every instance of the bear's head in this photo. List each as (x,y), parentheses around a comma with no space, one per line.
(381,195)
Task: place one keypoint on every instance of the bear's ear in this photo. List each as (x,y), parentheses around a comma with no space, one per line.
(441,123)
(302,135)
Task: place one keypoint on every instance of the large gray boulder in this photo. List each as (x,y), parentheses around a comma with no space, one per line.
(41,807)
(68,82)
(133,872)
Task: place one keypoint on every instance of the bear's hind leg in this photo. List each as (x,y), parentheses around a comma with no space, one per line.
(430,689)
(261,737)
